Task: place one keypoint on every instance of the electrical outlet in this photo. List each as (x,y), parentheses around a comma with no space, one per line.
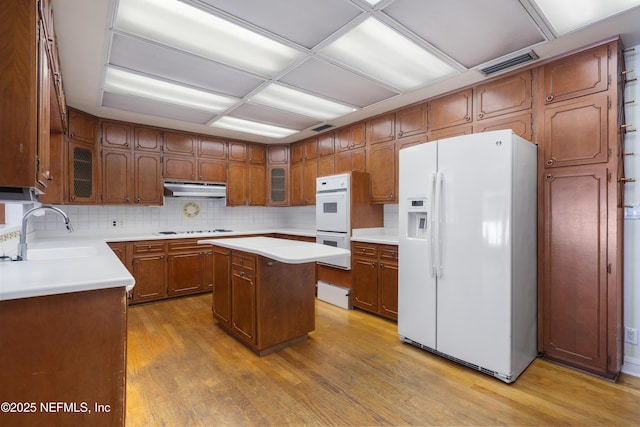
(115,223)
(631,336)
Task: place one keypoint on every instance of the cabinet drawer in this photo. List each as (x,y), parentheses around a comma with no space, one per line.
(364,249)
(247,262)
(185,245)
(141,248)
(245,273)
(389,253)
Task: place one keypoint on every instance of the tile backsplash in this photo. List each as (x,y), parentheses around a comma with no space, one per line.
(187,214)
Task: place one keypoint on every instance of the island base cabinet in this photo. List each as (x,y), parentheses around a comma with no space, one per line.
(265,304)
(67,349)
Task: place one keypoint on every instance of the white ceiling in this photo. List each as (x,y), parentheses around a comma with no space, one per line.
(467,35)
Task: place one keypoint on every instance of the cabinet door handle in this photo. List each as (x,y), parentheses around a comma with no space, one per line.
(381,265)
(373,265)
(467,118)
(549,98)
(242,274)
(550,162)
(138,200)
(480,115)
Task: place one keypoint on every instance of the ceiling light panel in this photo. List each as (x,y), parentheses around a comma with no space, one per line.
(305,22)
(184,27)
(273,116)
(120,81)
(254,128)
(384,54)
(470,32)
(568,15)
(170,64)
(333,82)
(154,108)
(298,102)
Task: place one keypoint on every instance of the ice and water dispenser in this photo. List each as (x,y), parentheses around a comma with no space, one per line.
(418,221)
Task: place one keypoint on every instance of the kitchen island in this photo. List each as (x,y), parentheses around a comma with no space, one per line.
(264,289)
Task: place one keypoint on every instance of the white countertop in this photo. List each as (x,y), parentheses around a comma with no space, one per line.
(74,265)
(283,250)
(380,235)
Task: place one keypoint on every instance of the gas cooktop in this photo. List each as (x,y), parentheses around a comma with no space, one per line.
(217,230)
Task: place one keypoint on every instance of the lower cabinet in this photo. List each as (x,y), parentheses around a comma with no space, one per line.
(265,304)
(149,270)
(375,278)
(189,267)
(166,268)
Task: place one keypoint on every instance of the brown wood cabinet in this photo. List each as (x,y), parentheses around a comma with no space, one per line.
(326,165)
(580,202)
(504,96)
(577,75)
(295,194)
(149,268)
(179,143)
(520,124)
(238,151)
(326,143)
(130,176)
(257,191)
(576,133)
(381,165)
(26,86)
(189,267)
(65,348)
(350,160)
(309,175)
(265,304)
(351,137)
(375,278)
(212,170)
(450,132)
(83,180)
(451,110)
(147,139)
(180,168)
(277,175)
(238,182)
(212,148)
(381,129)
(411,121)
(82,127)
(116,135)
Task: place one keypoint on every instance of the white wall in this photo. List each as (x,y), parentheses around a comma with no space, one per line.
(632,226)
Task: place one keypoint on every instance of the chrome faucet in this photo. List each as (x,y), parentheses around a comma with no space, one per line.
(22,246)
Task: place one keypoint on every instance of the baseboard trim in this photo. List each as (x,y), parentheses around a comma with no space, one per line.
(631,366)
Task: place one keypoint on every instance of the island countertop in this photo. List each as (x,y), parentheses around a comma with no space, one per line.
(283,250)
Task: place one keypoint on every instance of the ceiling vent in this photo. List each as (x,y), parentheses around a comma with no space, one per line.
(321,128)
(510,63)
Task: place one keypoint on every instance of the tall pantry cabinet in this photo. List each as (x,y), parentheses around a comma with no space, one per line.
(32,101)
(580,210)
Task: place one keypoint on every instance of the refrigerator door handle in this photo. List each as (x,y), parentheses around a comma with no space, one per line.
(439,222)
(432,235)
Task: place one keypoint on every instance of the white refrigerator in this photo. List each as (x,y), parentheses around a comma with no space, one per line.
(467,250)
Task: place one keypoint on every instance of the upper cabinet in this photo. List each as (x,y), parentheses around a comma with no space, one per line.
(147,139)
(351,137)
(180,143)
(82,127)
(27,77)
(326,145)
(381,129)
(117,135)
(577,75)
(211,147)
(504,96)
(451,110)
(411,121)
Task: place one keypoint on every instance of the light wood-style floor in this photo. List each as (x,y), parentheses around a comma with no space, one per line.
(183,370)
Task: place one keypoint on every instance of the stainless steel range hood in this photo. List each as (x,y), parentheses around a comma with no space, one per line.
(195,189)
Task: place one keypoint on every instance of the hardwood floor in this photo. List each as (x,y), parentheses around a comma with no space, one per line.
(183,370)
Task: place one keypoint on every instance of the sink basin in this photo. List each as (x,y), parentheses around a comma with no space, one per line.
(62,253)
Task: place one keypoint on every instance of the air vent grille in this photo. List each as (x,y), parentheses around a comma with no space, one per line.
(321,128)
(509,63)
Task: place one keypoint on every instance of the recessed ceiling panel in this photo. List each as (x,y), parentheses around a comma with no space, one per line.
(336,83)
(471,32)
(154,108)
(305,22)
(273,116)
(171,64)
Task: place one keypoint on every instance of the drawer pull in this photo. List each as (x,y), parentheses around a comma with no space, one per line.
(242,274)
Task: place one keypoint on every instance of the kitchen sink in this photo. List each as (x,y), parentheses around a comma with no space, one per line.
(62,253)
